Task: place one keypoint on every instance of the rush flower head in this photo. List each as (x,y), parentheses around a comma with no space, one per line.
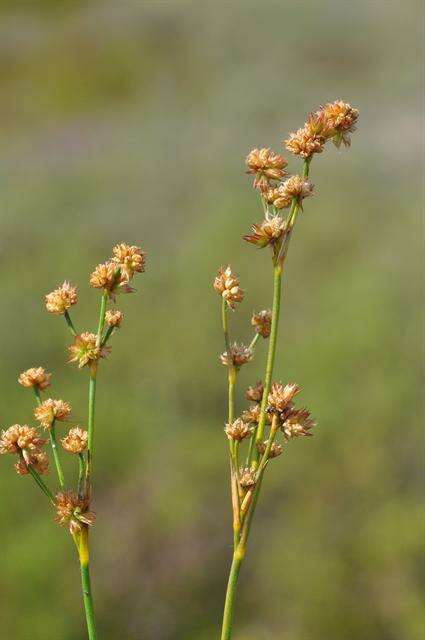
(35,377)
(252,414)
(51,410)
(75,441)
(281,395)
(298,423)
(340,118)
(262,322)
(246,477)
(265,165)
(275,450)
(20,439)
(61,299)
(72,511)
(238,430)
(226,283)
(38,460)
(255,393)
(85,350)
(268,232)
(305,142)
(107,276)
(297,187)
(114,317)
(129,259)
(239,355)
(277,197)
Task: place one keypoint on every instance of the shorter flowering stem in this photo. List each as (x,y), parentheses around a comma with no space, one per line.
(254,342)
(226,631)
(70,323)
(81,474)
(41,483)
(109,332)
(54,445)
(82,542)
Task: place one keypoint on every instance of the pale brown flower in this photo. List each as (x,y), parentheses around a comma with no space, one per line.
(106,276)
(114,317)
(298,187)
(35,377)
(247,477)
(281,395)
(61,299)
(269,232)
(238,430)
(305,143)
(51,410)
(130,259)
(265,165)
(239,355)
(262,322)
(275,450)
(20,439)
(75,441)
(298,423)
(38,460)
(226,284)
(340,119)
(85,350)
(255,393)
(72,511)
(252,414)
(277,197)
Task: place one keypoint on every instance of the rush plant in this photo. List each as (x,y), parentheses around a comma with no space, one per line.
(72,500)
(272,410)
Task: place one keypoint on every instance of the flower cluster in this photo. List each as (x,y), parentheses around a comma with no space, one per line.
(266,166)
(35,377)
(75,441)
(262,322)
(239,355)
(51,410)
(26,443)
(72,511)
(86,349)
(115,275)
(226,283)
(61,299)
(294,422)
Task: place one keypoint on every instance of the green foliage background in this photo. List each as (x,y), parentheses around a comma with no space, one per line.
(130,121)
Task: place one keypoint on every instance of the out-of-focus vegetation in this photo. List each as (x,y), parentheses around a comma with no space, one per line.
(130,121)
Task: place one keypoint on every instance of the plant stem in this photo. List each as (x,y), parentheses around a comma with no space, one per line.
(43,486)
(229,603)
(70,323)
(54,445)
(81,474)
(82,542)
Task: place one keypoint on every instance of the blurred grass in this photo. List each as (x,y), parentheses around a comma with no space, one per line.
(131,123)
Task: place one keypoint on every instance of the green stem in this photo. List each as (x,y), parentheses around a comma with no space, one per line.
(54,445)
(254,341)
(81,474)
(70,323)
(229,603)
(45,489)
(83,548)
(109,332)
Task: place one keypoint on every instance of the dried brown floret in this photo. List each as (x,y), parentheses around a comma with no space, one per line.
(265,165)
(268,232)
(129,259)
(262,322)
(275,450)
(281,395)
(72,511)
(238,430)
(61,299)
(305,143)
(277,197)
(38,460)
(75,441)
(35,377)
(20,439)
(255,393)
(239,355)
(114,318)
(298,187)
(226,283)
(298,423)
(85,349)
(247,477)
(51,410)
(340,118)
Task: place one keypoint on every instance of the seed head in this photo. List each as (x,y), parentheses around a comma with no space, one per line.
(239,355)
(275,450)
(297,187)
(84,350)
(226,284)
(265,165)
(340,118)
(305,143)
(72,511)
(61,299)
(107,276)
(262,322)
(246,477)
(20,439)
(255,393)
(281,395)
(277,197)
(129,259)
(38,460)
(75,441)
(114,317)
(298,423)
(252,414)
(51,410)
(238,430)
(35,377)
(268,232)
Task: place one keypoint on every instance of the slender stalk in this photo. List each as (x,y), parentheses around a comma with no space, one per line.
(43,486)
(82,542)
(226,631)
(70,323)
(254,341)
(108,333)
(53,442)
(81,474)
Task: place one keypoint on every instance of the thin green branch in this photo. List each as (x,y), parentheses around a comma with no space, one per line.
(54,445)
(70,323)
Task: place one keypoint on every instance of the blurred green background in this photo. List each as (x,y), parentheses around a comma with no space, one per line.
(130,122)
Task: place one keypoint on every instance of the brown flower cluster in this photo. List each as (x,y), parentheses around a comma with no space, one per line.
(226,283)
(266,166)
(38,460)
(238,430)
(35,377)
(85,349)
(75,441)
(262,322)
(72,511)
(269,232)
(276,449)
(239,355)
(114,275)
(24,441)
(61,299)
(334,121)
(247,477)
(255,393)
(294,422)
(114,318)
(50,410)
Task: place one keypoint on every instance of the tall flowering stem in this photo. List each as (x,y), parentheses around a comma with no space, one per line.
(274,409)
